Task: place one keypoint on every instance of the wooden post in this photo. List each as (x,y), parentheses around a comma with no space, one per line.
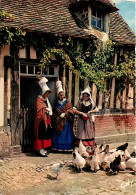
(118,101)
(94,93)
(76,98)
(100,100)
(124,99)
(64,79)
(70,86)
(113,86)
(8,93)
(112,94)
(130,97)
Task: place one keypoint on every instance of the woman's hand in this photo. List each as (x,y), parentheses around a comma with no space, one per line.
(62,115)
(84,115)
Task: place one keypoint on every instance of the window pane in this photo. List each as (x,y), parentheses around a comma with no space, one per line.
(99,15)
(30,70)
(23,69)
(44,71)
(93,12)
(37,69)
(51,70)
(93,21)
(99,22)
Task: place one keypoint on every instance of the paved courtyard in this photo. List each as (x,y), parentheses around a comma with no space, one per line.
(31,175)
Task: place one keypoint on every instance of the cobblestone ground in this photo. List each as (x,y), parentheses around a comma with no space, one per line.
(29,175)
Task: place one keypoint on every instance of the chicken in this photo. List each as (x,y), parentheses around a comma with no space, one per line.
(111,157)
(89,150)
(105,166)
(122,148)
(82,150)
(103,154)
(78,160)
(56,168)
(95,164)
(122,165)
(131,163)
(133,154)
(101,148)
(114,166)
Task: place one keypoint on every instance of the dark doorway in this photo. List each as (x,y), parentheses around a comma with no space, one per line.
(29,90)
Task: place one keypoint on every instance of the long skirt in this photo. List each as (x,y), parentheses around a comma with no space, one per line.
(64,140)
(86,131)
(43,137)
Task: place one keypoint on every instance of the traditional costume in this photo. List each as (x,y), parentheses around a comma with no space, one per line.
(63,136)
(85,125)
(43,130)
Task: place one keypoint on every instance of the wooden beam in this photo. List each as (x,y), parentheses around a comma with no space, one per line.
(70,86)
(76,98)
(8,93)
(100,100)
(64,78)
(130,97)
(113,85)
(118,100)
(124,99)
(112,94)
(94,93)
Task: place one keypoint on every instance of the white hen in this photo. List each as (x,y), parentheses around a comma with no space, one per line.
(82,150)
(95,164)
(78,160)
(131,163)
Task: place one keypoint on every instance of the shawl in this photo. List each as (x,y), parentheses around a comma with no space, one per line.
(60,122)
(40,112)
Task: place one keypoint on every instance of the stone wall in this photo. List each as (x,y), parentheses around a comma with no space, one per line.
(114,124)
(5,141)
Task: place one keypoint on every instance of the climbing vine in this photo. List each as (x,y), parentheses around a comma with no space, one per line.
(93,61)
(8,34)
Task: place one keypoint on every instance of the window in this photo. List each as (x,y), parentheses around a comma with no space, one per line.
(31,69)
(97,19)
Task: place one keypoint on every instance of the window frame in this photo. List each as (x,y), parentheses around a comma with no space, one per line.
(98,18)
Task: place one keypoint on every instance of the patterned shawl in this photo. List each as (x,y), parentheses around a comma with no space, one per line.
(69,115)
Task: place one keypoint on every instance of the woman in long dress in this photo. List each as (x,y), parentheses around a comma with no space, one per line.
(43,131)
(63,136)
(85,124)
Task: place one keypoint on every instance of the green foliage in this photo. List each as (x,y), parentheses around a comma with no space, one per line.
(5,15)
(11,35)
(7,34)
(92,60)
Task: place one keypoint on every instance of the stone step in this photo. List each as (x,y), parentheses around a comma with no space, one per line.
(16,151)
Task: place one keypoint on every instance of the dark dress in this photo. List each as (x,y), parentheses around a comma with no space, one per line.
(43,130)
(85,126)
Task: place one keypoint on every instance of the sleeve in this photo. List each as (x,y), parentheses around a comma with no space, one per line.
(78,105)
